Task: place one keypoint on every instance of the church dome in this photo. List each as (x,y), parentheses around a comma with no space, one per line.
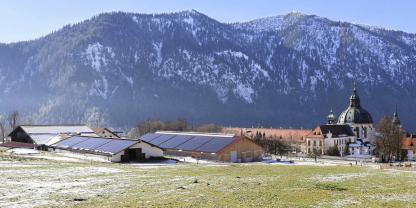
(331,119)
(355,113)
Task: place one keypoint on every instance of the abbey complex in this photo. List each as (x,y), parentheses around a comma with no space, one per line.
(351,135)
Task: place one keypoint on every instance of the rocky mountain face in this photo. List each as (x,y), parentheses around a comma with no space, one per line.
(289,71)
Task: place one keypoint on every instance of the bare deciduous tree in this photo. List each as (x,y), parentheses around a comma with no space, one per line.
(13,119)
(208,128)
(273,145)
(151,126)
(388,140)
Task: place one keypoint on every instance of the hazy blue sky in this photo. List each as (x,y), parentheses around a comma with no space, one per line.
(29,19)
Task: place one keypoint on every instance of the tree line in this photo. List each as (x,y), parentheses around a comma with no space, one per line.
(151,126)
(272,145)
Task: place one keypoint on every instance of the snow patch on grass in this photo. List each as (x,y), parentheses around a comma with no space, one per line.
(338,177)
(55,185)
(17,164)
(393,197)
(23,151)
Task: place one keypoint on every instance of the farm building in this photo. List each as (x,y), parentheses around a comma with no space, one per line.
(220,147)
(109,149)
(107,133)
(409,146)
(44,135)
(324,137)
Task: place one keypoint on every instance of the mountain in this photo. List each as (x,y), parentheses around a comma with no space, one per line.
(288,70)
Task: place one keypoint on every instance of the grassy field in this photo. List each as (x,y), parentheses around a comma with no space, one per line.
(45,183)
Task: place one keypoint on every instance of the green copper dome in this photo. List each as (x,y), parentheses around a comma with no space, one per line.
(331,119)
(355,113)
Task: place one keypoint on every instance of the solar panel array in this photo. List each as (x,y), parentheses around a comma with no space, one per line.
(95,144)
(196,143)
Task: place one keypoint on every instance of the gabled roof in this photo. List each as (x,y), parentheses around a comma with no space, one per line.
(336,130)
(105,132)
(46,134)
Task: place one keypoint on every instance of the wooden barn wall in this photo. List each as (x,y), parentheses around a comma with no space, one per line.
(247,151)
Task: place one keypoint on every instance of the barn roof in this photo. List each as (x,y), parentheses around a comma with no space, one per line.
(190,141)
(95,145)
(43,139)
(49,134)
(56,129)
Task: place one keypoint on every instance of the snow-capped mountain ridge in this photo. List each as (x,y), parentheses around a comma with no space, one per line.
(285,70)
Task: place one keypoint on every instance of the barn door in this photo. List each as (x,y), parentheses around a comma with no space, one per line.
(233,156)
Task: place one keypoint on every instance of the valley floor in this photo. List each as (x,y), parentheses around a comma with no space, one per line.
(37,182)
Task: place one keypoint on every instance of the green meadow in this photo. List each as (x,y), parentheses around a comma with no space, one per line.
(47,183)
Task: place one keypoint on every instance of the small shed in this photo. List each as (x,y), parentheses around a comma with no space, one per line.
(110,149)
(219,147)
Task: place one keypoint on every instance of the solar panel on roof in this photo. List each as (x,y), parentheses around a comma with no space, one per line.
(162,139)
(149,137)
(70,141)
(216,144)
(175,141)
(115,146)
(194,143)
(91,143)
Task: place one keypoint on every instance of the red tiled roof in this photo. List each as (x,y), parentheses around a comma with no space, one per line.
(294,135)
(336,130)
(316,133)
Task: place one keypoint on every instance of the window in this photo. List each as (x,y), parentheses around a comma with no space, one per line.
(365,132)
(314,143)
(357,132)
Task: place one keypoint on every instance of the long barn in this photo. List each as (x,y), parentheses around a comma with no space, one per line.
(219,147)
(109,149)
